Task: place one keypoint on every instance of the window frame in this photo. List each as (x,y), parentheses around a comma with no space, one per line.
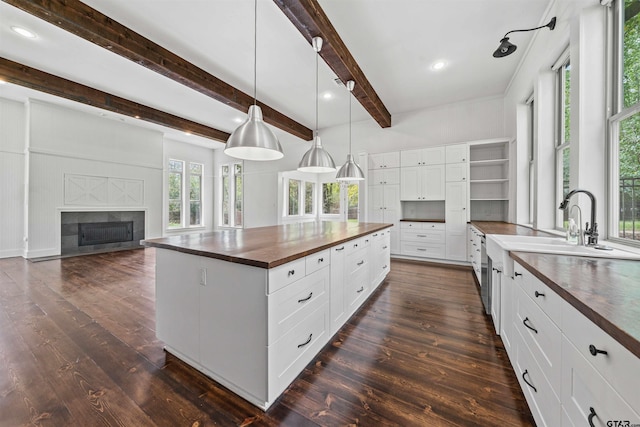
(562,99)
(302,214)
(185,195)
(235,216)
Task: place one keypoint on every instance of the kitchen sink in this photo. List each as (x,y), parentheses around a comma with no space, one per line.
(550,245)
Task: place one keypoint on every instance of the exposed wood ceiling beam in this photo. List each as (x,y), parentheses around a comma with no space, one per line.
(86,22)
(309,18)
(32,78)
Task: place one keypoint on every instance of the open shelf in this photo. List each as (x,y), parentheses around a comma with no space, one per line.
(489,181)
(497,180)
(494,162)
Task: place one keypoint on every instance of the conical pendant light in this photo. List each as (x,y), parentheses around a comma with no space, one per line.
(350,171)
(317,159)
(253,140)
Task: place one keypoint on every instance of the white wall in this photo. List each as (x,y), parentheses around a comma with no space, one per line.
(63,141)
(12,169)
(580,25)
(448,124)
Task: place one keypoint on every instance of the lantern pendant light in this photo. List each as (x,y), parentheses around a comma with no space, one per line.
(317,159)
(350,171)
(253,140)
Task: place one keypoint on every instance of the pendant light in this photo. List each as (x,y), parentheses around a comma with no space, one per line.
(253,140)
(350,171)
(317,159)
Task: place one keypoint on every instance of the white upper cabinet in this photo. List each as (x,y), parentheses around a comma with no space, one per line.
(422,183)
(384,176)
(458,153)
(422,157)
(384,160)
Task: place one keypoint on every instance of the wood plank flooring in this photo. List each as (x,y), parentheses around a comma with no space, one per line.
(78,348)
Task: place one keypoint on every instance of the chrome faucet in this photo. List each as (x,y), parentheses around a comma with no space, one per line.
(592,231)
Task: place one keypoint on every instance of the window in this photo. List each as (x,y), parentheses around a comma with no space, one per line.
(183,181)
(563,139)
(353,196)
(231,192)
(176,168)
(531,104)
(331,198)
(301,195)
(625,126)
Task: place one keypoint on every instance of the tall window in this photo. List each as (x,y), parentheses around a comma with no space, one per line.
(185,179)
(231,192)
(563,139)
(330,198)
(532,178)
(353,206)
(625,125)
(176,172)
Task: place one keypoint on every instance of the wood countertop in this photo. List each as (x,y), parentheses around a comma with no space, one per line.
(499,227)
(606,291)
(267,247)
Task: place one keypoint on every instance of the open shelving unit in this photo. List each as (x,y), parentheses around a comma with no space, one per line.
(489,181)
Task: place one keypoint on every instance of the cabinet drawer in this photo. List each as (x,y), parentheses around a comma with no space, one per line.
(542,337)
(357,287)
(414,225)
(543,402)
(291,353)
(619,366)
(549,301)
(315,262)
(422,236)
(281,276)
(357,260)
(422,249)
(355,244)
(584,388)
(288,306)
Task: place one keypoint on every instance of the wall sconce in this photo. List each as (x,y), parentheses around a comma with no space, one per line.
(507,48)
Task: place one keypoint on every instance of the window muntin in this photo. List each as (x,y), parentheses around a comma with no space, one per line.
(176,175)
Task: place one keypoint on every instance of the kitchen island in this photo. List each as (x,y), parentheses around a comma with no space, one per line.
(251,308)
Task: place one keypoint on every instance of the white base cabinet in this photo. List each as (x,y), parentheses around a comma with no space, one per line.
(572,373)
(253,329)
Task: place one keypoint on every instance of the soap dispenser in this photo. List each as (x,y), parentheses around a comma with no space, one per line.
(572,232)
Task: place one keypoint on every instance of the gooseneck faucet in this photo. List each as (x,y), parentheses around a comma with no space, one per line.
(592,231)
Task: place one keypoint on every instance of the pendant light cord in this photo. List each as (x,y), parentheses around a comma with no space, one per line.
(317,54)
(349,122)
(255,52)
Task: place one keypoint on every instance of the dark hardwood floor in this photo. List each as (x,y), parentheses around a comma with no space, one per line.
(78,348)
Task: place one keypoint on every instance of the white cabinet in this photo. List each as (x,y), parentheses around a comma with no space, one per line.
(384,160)
(457,153)
(456,172)
(380,256)
(475,237)
(422,183)
(423,239)
(384,176)
(422,157)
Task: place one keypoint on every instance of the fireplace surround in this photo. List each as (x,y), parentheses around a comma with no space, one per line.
(102,231)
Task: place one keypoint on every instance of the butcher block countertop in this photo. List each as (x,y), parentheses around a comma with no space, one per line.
(499,227)
(267,247)
(606,291)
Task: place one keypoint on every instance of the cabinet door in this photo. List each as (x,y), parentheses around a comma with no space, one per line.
(338,304)
(410,183)
(507,308)
(456,203)
(178,279)
(376,177)
(456,243)
(376,161)
(391,159)
(391,176)
(433,156)
(457,172)
(458,153)
(410,158)
(433,184)
(377,197)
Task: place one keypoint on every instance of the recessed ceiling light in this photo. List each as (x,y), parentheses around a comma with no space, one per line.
(24,32)
(327,95)
(438,65)
(137,117)
(187,133)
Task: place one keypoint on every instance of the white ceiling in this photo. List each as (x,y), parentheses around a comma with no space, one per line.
(394,41)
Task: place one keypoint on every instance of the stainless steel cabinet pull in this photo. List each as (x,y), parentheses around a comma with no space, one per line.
(339,249)
(526,319)
(320,260)
(306,342)
(595,351)
(592,415)
(291,273)
(538,294)
(361,289)
(307,298)
(528,383)
(361,262)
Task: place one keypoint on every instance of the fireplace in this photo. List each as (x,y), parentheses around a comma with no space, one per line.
(92,232)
